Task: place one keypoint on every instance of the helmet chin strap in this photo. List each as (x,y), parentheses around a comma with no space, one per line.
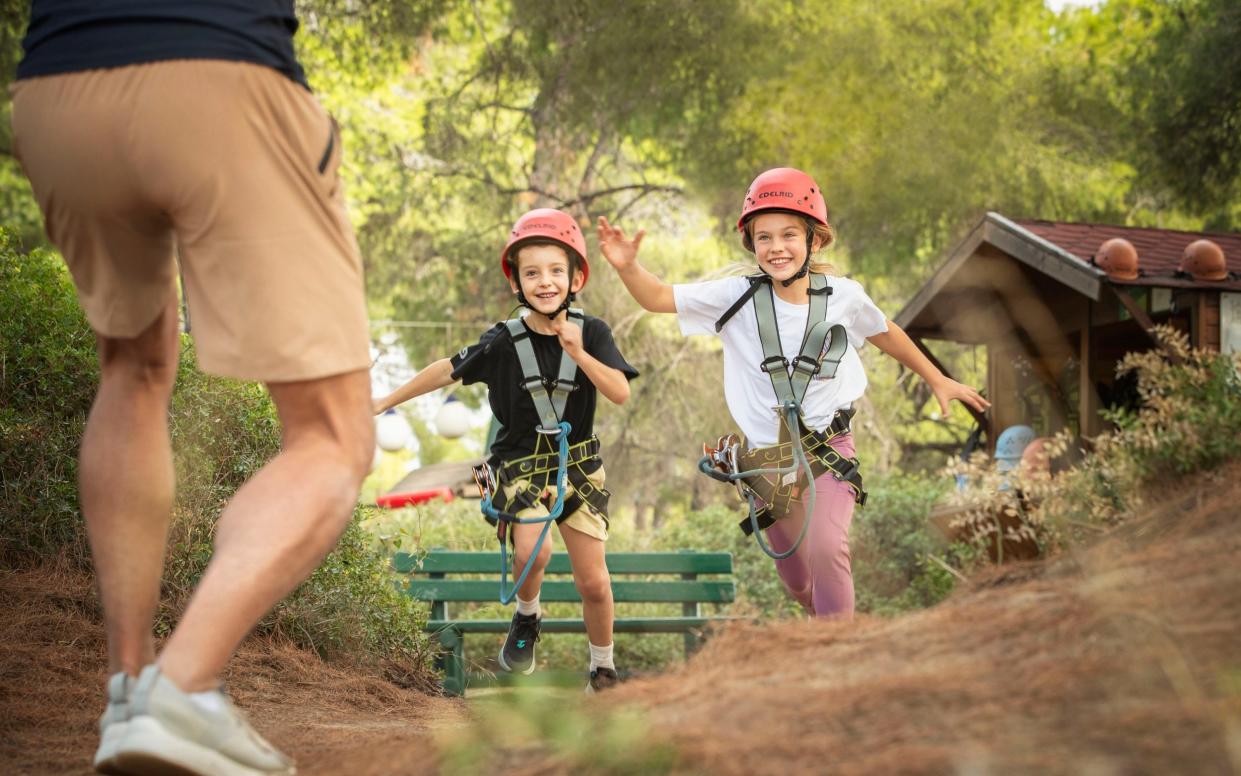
(801,273)
(805,265)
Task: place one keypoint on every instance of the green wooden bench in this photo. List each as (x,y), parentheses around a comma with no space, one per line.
(428,582)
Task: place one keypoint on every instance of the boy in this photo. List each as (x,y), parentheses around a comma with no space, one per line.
(544,261)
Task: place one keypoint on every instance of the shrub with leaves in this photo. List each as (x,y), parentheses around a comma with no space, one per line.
(223,431)
(1189,421)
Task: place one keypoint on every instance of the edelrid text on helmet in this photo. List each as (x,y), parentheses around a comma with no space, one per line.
(784,188)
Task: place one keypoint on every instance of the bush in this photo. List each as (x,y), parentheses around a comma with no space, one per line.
(47,373)
(222,430)
(891,539)
(1189,421)
(893,545)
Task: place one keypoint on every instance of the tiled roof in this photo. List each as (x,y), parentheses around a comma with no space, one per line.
(1159,250)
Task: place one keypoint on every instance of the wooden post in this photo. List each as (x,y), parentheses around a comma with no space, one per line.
(692,640)
(453,643)
(443,660)
(1088,397)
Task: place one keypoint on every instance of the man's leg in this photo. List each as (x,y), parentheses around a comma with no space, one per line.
(279,525)
(126,482)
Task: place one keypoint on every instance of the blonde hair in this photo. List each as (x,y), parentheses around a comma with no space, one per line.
(823,233)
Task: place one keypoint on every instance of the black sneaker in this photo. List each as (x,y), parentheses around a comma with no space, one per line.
(601,679)
(517,654)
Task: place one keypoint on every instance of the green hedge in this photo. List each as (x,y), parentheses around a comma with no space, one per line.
(222,431)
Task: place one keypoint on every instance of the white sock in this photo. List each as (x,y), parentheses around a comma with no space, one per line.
(209,701)
(528,607)
(601,657)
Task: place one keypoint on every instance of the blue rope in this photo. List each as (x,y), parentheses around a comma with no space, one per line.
(789,415)
(562,470)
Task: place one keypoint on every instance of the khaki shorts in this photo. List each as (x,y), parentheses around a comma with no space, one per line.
(229,166)
(585,519)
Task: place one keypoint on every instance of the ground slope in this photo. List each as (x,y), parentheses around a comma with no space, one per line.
(1121,657)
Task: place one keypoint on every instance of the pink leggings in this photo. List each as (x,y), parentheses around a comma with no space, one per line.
(818,575)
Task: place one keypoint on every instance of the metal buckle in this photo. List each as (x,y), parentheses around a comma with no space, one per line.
(849,471)
(532,382)
(767,362)
(807,366)
(568,386)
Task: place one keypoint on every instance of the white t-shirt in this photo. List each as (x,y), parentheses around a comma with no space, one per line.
(747,389)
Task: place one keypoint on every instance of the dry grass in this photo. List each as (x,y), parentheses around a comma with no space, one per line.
(53,668)
(1122,657)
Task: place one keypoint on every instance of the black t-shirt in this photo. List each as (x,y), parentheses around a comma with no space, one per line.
(67,36)
(494,361)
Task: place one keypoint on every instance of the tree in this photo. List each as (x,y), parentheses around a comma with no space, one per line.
(1186,88)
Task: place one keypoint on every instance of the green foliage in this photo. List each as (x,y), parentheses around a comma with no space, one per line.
(1189,421)
(891,539)
(223,431)
(1186,88)
(892,543)
(531,727)
(759,591)
(47,368)
(349,611)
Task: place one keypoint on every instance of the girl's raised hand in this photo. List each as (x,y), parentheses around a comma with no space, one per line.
(948,389)
(620,251)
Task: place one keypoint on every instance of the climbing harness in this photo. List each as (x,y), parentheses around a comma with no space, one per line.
(523,483)
(772,479)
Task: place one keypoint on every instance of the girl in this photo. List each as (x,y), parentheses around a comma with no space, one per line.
(761,320)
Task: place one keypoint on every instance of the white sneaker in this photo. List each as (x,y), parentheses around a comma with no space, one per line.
(113,723)
(169,730)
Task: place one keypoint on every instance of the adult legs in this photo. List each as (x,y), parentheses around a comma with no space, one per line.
(280,524)
(126,482)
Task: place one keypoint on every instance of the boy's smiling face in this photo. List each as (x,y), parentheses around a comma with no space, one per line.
(543,274)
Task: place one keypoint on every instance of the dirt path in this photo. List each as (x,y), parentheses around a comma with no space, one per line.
(1117,659)
(52,672)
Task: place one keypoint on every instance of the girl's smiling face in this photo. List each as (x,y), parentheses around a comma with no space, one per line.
(543,274)
(779,243)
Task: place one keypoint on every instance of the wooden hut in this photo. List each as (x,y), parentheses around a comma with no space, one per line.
(1054,323)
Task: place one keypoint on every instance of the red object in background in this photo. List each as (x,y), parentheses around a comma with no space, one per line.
(413,498)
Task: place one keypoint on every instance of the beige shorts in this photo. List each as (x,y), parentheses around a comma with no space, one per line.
(585,519)
(229,167)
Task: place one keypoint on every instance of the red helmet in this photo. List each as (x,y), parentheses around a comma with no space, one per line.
(1204,260)
(549,224)
(783,188)
(1118,258)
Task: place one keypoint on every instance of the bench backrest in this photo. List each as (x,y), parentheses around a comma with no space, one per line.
(687,588)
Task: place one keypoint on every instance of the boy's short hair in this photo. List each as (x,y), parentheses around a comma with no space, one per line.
(575,258)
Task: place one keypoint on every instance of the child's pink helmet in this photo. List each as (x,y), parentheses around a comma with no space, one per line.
(548,224)
(787,189)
